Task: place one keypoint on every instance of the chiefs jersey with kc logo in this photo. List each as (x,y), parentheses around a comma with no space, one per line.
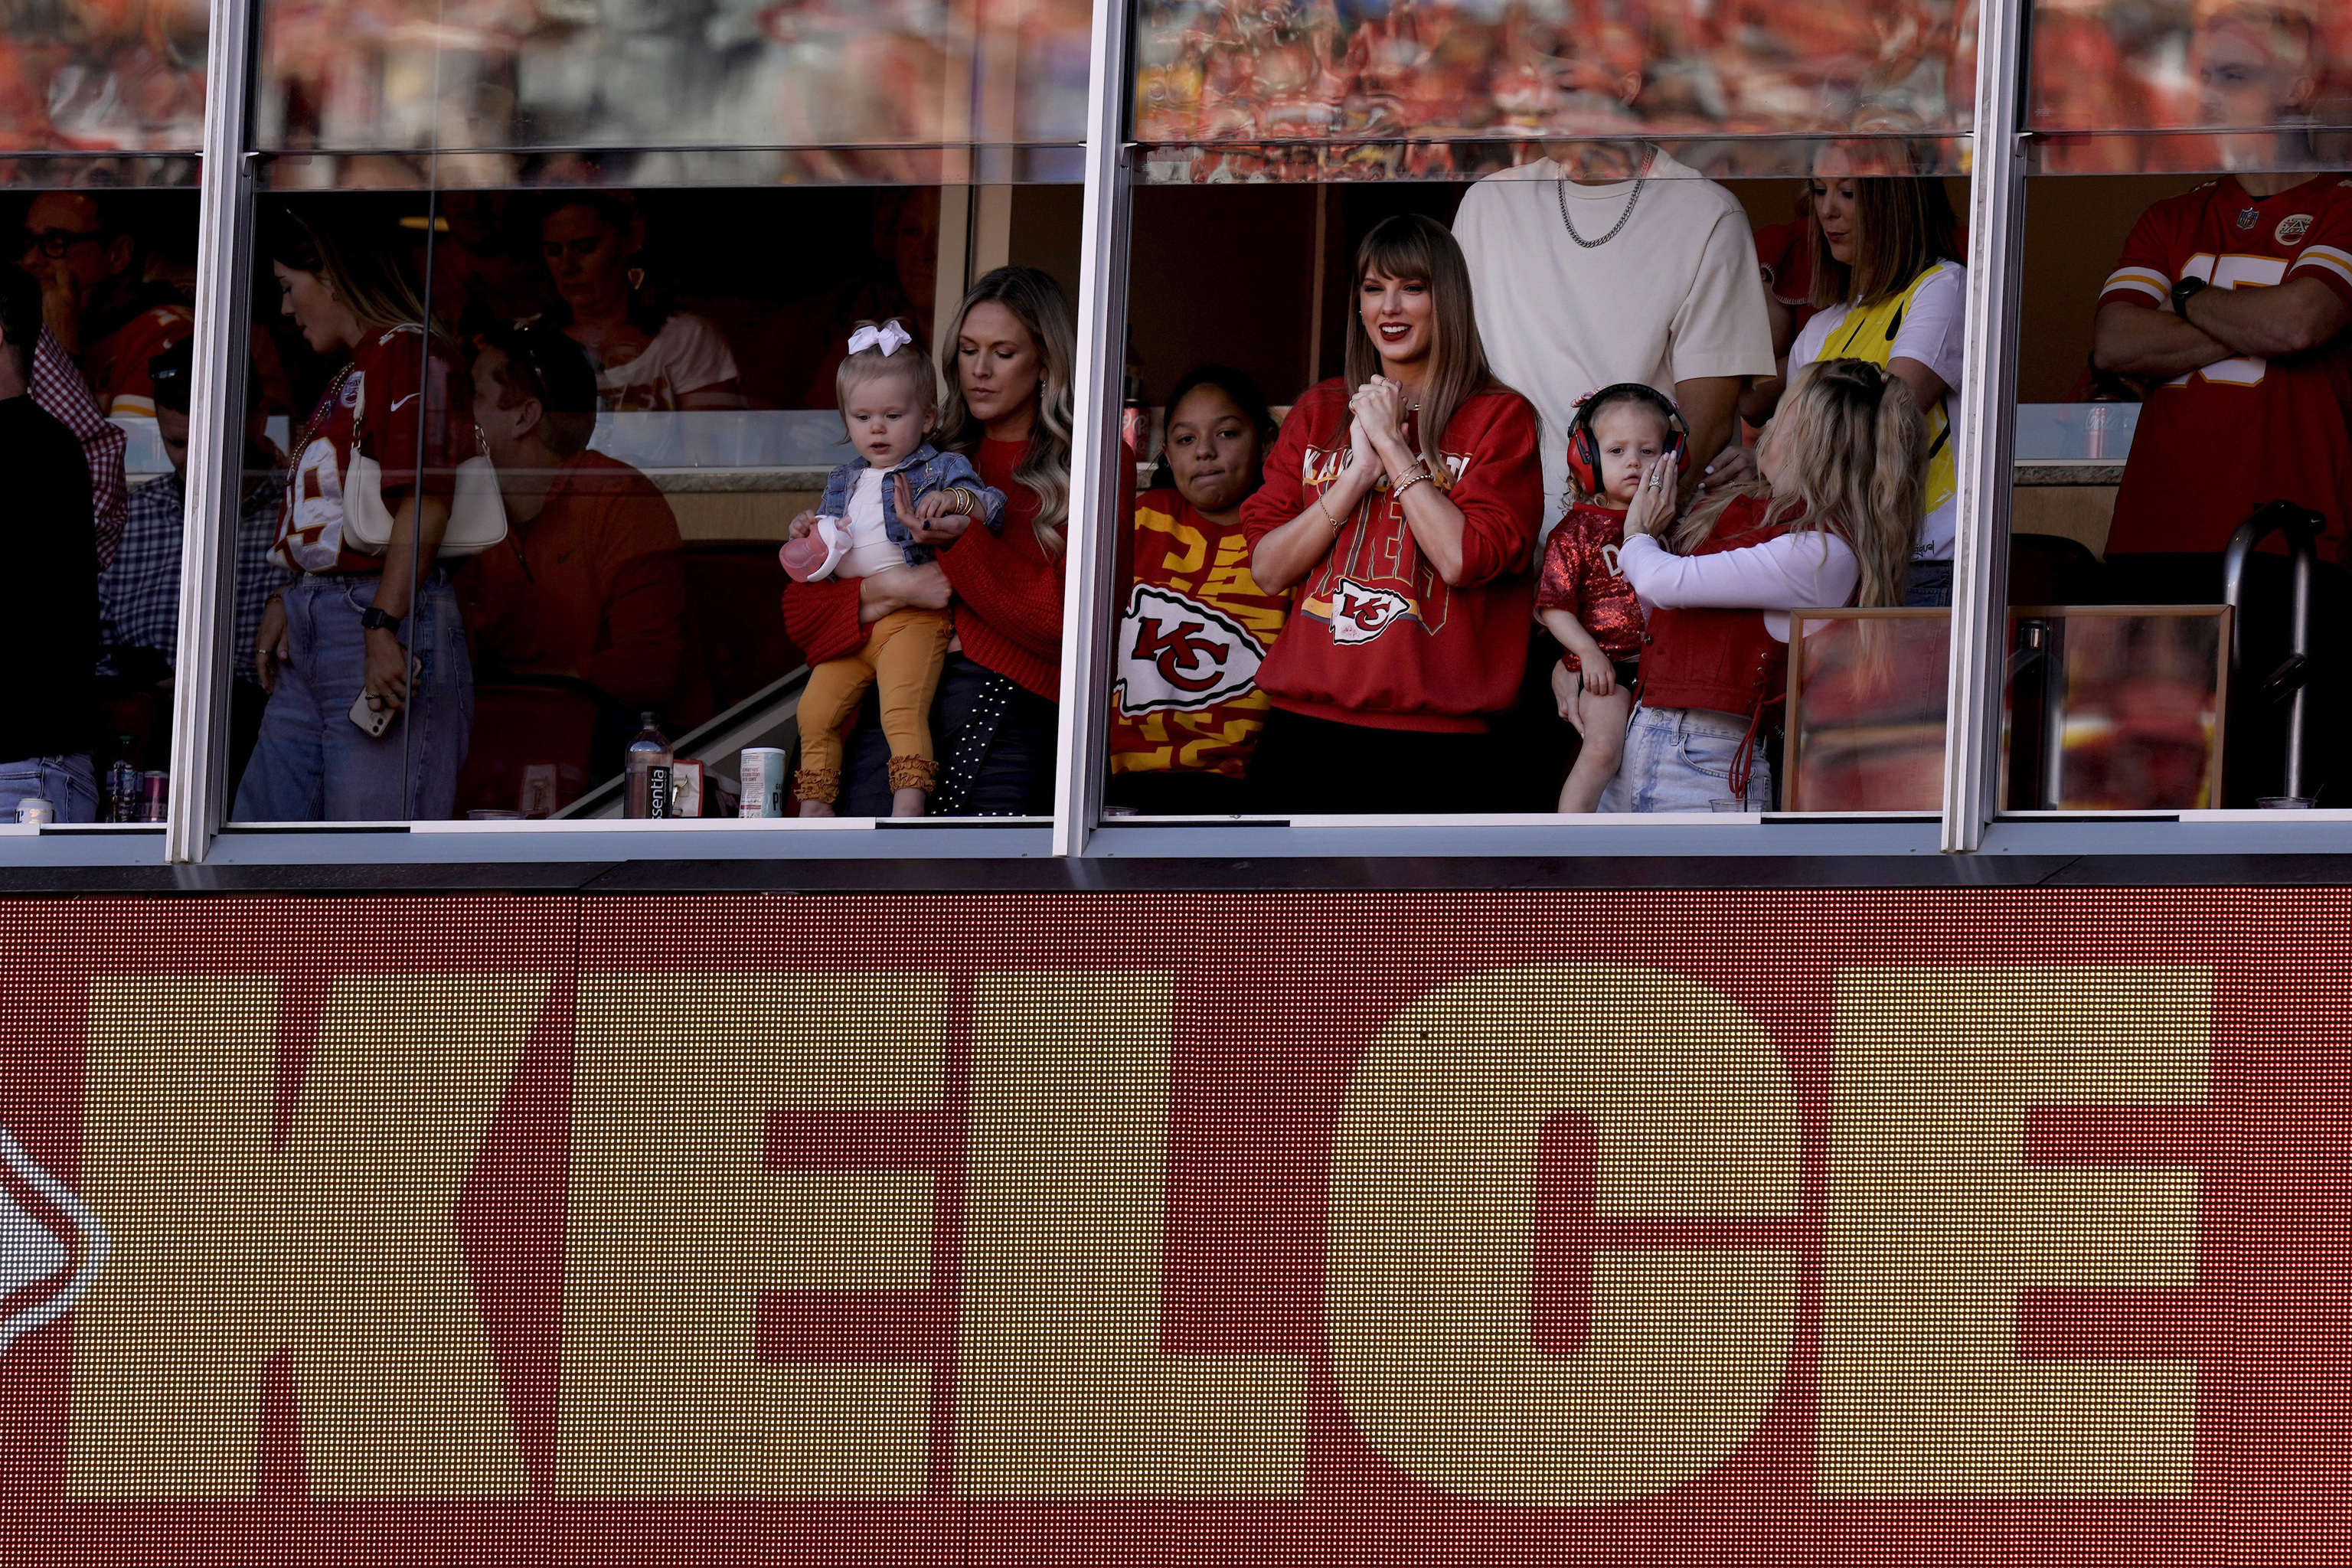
(1184,695)
(1377,637)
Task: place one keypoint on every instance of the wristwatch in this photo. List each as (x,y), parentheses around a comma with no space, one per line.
(2180,293)
(377,620)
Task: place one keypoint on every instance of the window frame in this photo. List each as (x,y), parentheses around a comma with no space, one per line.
(194,837)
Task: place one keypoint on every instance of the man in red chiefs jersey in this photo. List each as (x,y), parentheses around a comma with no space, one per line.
(2234,300)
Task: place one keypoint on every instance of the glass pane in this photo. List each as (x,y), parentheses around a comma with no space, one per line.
(1866,704)
(626,400)
(546,94)
(2172,462)
(114,271)
(2116,709)
(1375,684)
(2278,71)
(1389,90)
(80,79)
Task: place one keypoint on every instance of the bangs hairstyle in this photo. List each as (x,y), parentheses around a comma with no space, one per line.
(1236,386)
(365,276)
(1901,227)
(909,363)
(1038,303)
(1416,249)
(1854,456)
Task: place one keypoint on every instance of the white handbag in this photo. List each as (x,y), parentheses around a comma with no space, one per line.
(478,513)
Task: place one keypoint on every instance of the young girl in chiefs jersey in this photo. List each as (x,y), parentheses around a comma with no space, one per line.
(1832,522)
(1185,707)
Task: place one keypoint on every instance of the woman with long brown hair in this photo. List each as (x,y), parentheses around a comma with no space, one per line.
(1008,409)
(1402,500)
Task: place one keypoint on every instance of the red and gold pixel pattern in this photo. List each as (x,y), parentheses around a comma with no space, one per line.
(1143,1226)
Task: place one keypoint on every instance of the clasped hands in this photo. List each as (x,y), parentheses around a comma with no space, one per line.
(1376,434)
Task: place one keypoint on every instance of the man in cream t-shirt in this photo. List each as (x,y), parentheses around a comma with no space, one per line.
(1648,276)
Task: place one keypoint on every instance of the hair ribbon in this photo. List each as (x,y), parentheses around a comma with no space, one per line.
(889,337)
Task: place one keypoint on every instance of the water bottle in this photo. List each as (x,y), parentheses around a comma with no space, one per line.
(649,773)
(124,783)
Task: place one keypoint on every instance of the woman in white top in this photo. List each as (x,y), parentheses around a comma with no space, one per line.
(1832,523)
(647,357)
(1890,292)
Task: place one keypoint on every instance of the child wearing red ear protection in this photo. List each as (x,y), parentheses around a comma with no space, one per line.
(1582,598)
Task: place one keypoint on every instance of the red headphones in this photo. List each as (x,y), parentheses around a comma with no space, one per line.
(1584,449)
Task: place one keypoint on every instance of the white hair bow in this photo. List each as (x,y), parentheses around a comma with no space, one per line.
(889,337)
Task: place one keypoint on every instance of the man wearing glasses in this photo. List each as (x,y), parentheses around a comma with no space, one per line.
(96,305)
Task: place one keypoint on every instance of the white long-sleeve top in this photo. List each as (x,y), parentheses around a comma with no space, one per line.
(1814,569)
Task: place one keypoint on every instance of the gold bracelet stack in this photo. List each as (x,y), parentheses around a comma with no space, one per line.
(1410,479)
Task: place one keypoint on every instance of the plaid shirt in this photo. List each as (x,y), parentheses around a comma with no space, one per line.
(59,389)
(139,594)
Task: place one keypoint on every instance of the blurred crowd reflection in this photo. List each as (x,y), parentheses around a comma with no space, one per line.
(1250,71)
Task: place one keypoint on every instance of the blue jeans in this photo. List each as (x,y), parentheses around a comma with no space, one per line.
(1679,759)
(1927,585)
(312,764)
(70,783)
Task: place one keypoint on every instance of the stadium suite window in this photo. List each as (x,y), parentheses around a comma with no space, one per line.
(627,402)
(2177,590)
(1374,677)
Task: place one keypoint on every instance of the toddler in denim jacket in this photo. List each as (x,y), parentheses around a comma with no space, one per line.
(865,523)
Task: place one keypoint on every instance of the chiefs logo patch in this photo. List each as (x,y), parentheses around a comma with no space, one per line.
(51,1246)
(2290,230)
(1359,614)
(1177,653)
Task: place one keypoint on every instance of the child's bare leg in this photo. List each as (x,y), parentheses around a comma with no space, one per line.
(1603,749)
(910,785)
(825,808)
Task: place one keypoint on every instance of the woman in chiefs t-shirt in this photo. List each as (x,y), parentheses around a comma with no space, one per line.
(1402,501)
(1185,708)
(350,626)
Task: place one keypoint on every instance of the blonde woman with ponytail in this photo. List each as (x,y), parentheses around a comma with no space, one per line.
(1007,404)
(1832,522)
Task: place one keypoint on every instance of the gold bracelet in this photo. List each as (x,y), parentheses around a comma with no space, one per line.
(1410,479)
(1325,507)
(963,502)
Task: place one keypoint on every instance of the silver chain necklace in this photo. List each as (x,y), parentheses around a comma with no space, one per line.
(1560,190)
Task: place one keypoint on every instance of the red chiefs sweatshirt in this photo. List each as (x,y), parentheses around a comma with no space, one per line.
(1377,638)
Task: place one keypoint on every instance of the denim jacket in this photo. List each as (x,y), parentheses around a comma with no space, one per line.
(927,469)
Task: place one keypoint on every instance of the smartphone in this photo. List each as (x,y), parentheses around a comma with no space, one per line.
(373,721)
